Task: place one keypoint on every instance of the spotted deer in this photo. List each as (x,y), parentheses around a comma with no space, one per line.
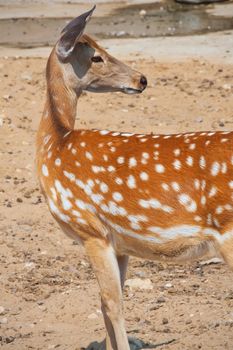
(162,197)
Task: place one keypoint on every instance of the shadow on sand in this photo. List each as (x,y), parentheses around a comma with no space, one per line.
(135,344)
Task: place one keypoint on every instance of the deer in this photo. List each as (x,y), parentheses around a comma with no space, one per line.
(163,197)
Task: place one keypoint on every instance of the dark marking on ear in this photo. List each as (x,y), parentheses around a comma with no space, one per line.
(71,33)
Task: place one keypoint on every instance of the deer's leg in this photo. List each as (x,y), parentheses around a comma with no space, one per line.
(107,270)
(122,264)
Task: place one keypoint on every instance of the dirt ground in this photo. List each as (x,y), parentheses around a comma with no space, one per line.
(49,297)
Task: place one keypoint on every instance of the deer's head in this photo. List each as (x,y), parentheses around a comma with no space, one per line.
(87,66)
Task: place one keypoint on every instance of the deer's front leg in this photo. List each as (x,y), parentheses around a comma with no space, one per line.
(122,264)
(106,268)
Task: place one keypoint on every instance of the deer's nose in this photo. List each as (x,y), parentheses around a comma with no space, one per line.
(143,81)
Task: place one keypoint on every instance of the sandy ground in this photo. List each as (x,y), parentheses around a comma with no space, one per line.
(49,296)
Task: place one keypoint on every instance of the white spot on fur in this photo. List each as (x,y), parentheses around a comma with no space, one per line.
(89,156)
(176,152)
(131,183)
(57,162)
(189,161)
(192,146)
(118,181)
(202,162)
(120,160)
(46,139)
(230,184)
(197,184)
(97,198)
(145,155)
(144,176)
(219,210)
(197,218)
(215,168)
(104,132)
(175,186)
(57,212)
(115,210)
(224,168)
(54,193)
(98,169)
(177,164)
(165,186)
(132,162)
(111,168)
(117,196)
(80,204)
(189,204)
(45,171)
(159,168)
(76,213)
(175,231)
(154,204)
(213,191)
(103,187)
(69,176)
(203,200)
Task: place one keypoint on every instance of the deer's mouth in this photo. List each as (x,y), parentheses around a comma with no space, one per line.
(131,91)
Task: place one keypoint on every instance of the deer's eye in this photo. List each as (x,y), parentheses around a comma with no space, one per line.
(97,59)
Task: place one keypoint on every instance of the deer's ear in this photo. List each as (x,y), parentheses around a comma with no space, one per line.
(71,34)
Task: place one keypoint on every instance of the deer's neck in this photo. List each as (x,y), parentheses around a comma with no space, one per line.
(60,107)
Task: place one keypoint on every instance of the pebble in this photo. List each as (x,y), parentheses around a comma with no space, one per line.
(142,13)
(26,76)
(92,316)
(211,261)
(120,33)
(199,119)
(3,320)
(30,265)
(139,283)
(7,97)
(226,86)
(2,310)
(164,320)
(168,285)
(161,300)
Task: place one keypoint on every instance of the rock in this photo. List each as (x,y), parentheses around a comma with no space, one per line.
(7,97)
(139,283)
(211,261)
(9,339)
(226,86)
(2,310)
(92,316)
(165,320)
(199,119)
(142,13)
(3,320)
(26,76)
(120,33)
(161,300)
(30,265)
(168,285)
(140,274)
